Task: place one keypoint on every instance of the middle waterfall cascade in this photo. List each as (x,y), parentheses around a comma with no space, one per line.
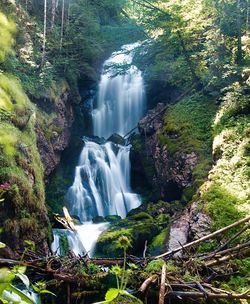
(102,182)
(101,185)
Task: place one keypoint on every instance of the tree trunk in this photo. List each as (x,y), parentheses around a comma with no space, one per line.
(248,18)
(239,34)
(53,13)
(62,23)
(189,62)
(44,32)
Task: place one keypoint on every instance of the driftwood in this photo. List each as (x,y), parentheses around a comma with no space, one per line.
(227,251)
(162,287)
(204,238)
(145,285)
(228,257)
(225,244)
(106,262)
(66,221)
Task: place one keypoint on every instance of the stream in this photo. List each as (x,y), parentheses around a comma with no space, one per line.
(101,185)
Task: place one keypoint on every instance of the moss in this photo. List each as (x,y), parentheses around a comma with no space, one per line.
(141,225)
(188,128)
(189,277)
(154,266)
(112,218)
(239,281)
(222,206)
(158,244)
(64,245)
(107,241)
(21,167)
(6,36)
(141,216)
(11,93)
(188,194)
(187,124)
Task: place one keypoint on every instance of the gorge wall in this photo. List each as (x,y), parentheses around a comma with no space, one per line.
(39,91)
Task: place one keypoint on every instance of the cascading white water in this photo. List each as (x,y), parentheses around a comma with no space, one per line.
(102,177)
(121,95)
(102,182)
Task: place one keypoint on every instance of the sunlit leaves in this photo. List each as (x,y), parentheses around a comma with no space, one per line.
(2,245)
(7,29)
(111,294)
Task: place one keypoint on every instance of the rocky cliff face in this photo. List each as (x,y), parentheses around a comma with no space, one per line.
(53,137)
(173,173)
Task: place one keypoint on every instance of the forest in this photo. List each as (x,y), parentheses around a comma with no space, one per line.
(124,151)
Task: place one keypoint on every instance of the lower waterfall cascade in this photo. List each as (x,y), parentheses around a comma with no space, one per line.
(101,185)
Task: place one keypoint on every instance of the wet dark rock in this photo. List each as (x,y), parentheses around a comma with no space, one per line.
(152,121)
(172,172)
(117,139)
(99,219)
(51,146)
(112,218)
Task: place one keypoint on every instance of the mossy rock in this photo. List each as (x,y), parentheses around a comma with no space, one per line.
(117,139)
(99,219)
(112,218)
(107,242)
(158,244)
(141,216)
(122,299)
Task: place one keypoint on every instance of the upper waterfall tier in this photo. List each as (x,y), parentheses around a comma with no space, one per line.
(121,95)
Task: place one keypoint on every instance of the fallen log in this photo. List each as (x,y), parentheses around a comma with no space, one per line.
(208,295)
(106,262)
(204,238)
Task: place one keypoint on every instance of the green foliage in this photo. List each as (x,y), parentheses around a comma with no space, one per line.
(20,163)
(8,292)
(190,119)
(11,93)
(222,206)
(122,276)
(7,29)
(40,288)
(154,266)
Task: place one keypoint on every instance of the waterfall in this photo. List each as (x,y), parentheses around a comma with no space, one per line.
(102,182)
(121,95)
(101,185)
